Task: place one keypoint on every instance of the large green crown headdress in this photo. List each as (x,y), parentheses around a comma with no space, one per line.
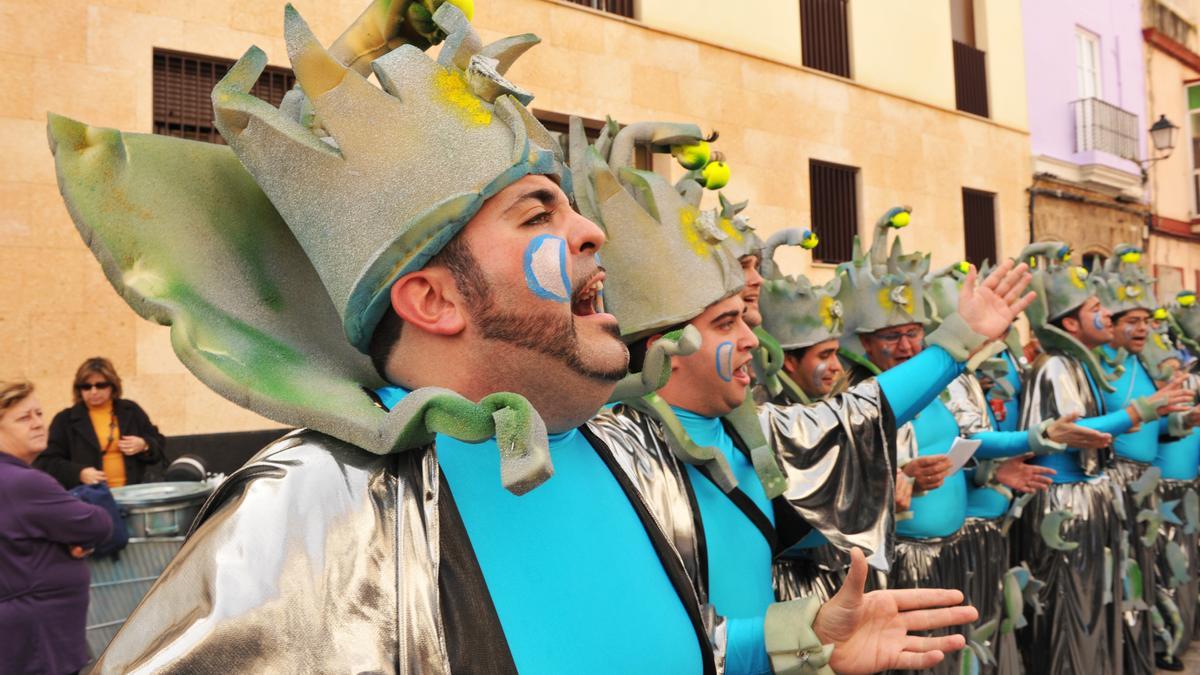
(374,180)
(1159,350)
(1124,285)
(1184,315)
(795,312)
(880,290)
(1060,288)
(667,260)
(740,238)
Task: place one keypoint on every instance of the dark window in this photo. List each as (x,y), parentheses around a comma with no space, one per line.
(834,192)
(979,225)
(619,7)
(970,63)
(824,41)
(183,85)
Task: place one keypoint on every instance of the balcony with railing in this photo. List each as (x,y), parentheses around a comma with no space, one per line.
(1102,126)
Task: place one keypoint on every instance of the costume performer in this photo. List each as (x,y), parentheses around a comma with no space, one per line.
(1070,534)
(730,472)
(343,225)
(991,482)
(886,312)
(1178,560)
(801,324)
(1125,292)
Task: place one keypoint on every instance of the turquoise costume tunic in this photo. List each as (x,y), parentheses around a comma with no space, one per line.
(567,550)
(1066,464)
(941,511)
(1135,382)
(1178,459)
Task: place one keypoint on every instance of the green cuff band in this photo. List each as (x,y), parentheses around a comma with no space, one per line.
(1040,443)
(1145,408)
(957,338)
(791,643)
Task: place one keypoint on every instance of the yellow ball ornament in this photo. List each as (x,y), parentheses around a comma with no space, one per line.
(716,175)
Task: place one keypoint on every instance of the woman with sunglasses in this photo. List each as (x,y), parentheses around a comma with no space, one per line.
(103,437)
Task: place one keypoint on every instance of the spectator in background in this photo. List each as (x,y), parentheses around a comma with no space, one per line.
(44,533)
(103,437)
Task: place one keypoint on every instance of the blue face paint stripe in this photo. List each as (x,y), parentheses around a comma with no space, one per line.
(725,361)
(531,277)
(1098,321)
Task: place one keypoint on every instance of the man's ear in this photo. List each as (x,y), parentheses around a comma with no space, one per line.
(791,364)
(1071,324)
(429,300)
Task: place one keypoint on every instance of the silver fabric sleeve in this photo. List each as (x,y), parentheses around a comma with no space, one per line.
(1058,386)
(839,457)
(311,538)
(964,398)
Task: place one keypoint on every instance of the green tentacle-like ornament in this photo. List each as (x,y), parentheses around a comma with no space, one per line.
(656,368)
(189,239)
(1051,530)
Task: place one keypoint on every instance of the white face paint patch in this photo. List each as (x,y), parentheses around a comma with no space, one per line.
(818,376)
(546,268)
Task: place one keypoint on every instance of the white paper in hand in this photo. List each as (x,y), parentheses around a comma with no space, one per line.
(961,450)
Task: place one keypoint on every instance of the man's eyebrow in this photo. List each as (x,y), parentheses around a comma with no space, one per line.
(543,195)
(731,314)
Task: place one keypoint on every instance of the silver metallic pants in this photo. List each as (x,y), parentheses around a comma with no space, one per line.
(1180,622)
(1079,632)
(1138,627)
(973,559)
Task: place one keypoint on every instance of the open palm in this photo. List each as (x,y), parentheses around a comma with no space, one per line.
(870,632)
(990,307)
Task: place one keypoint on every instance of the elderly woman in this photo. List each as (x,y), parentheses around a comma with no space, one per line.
(43,534)
(103,437)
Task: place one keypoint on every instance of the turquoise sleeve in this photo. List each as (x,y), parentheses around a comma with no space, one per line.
(1001,444)
(912,385)
(1113,423)
(746,647)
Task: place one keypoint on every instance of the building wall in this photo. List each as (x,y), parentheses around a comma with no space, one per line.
(91,59)
(1050,71)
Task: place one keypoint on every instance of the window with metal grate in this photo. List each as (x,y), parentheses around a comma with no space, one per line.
(824,36)
(833,189)
(183,85)
(619,7)
(979,225)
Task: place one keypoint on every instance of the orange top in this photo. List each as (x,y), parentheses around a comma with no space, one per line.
(108,433)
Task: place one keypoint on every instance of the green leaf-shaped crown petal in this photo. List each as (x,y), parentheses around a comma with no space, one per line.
(795,312)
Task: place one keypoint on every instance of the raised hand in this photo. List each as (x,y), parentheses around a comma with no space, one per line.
(990,307)
(928,472)
(870,632)
(1064,430)
(1017,473)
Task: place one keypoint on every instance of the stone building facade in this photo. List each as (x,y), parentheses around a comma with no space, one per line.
(894,118)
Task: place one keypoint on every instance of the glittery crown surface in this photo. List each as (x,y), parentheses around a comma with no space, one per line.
(877,292)
(740,238)
(1060,285)
(667,260)
(374,180)
(795,312)
(1124,285)
(1185,314)
(941,290)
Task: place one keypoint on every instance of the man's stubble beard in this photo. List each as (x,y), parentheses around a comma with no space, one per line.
(551,335)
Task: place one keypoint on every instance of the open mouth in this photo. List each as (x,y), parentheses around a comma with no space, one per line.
(588,300)
(741,374)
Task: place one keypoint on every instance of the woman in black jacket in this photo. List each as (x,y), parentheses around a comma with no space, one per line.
(103,437)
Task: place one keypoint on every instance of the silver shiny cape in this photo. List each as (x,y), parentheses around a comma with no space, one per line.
(1058,386)
(319,557)
(838,455)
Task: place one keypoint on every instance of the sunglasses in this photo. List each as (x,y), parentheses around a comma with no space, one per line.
(95,385)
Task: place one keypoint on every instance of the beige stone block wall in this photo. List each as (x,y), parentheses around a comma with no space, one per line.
(92,60)
(1170,184)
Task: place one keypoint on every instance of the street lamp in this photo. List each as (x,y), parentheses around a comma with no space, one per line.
(1162,133)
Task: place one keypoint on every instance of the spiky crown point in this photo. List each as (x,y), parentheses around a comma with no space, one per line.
(667,260)
(795,312)
(877,294)
(376,180)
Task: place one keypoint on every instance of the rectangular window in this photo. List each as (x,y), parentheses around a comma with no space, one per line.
(183,85)
(825,36)
(833,189)
(979,225)
(1087,63)
(619,7)
(970,63)
(1193,128)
